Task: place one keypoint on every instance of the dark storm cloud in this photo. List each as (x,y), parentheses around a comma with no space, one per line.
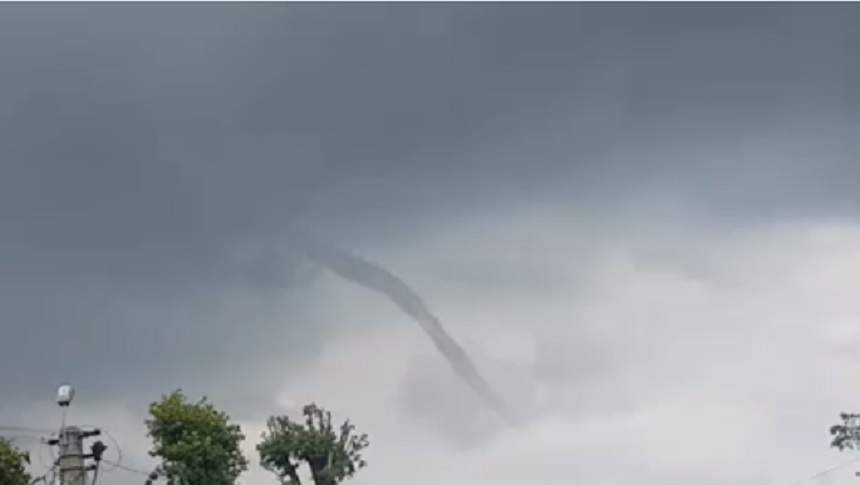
(152,154)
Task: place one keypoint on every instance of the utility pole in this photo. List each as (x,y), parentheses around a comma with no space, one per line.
(71,463)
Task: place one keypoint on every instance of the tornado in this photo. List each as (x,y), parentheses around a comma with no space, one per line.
(374,277)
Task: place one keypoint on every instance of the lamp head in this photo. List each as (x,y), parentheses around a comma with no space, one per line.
(65,394)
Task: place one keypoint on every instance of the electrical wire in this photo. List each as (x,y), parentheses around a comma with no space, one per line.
(825,472)
(41,478)
(96,473)
(17,438)
(44,477)
(118,463)
(127,468)
(113,441)
(27,432)
(39,456)
(24,429)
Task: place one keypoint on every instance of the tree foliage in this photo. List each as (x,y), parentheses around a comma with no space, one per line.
(12,464)
(332,455)
(846,435)
(197,443)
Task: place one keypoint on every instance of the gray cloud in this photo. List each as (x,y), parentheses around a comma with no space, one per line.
(154,156)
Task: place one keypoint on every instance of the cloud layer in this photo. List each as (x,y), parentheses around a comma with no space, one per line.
(642,220)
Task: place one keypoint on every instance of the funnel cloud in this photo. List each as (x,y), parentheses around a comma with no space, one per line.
(374,277)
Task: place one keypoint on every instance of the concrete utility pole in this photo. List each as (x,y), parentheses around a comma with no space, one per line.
(71,461)
(71,464)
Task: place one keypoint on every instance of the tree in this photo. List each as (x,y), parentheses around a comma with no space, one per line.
(332,456)
(12,464)
(196,443)
(847,434)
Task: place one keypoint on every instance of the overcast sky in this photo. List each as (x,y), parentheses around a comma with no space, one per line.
(640,219)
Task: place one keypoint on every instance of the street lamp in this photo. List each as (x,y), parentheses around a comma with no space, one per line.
(65,394)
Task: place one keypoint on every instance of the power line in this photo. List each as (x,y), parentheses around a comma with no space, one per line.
(15,438)
(40,478)
(24,429)
(40,457)
(825,472)
(96,474)
(127,468)
(49,470)
(113,440)
(118,464)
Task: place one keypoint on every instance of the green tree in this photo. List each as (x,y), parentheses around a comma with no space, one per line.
(196,443)
(846,435)
(332,455)
(12,464)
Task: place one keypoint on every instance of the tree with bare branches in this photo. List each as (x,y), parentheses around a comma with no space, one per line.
(331,454)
